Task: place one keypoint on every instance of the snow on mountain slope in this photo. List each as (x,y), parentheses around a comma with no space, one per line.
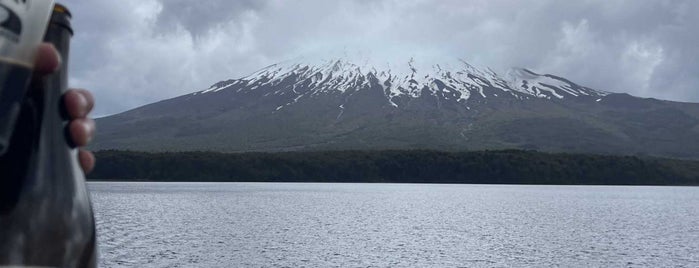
(456,80)
(545,86)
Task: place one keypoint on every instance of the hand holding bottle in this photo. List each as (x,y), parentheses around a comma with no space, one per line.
(78,103)
(46,216)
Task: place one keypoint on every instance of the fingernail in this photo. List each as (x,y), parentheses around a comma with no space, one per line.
(59,58)
(82,102)
(59,63)
(91,133)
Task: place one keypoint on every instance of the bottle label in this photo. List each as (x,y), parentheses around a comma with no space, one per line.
(22,27)
(10,24)
(25,266)
(11,15)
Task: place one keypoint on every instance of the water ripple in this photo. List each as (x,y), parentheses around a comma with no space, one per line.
(387,225)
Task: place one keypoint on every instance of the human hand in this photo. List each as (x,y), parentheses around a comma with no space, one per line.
(78,103)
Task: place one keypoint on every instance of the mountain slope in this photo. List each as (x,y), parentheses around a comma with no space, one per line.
(338,104)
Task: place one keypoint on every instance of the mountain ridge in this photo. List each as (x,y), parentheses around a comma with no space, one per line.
(335,104)
(462,80)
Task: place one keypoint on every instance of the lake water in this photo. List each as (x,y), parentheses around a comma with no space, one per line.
(392,225)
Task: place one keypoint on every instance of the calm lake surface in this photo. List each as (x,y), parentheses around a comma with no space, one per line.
(394,225)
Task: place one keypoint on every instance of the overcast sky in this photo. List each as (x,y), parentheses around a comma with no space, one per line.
(133,52)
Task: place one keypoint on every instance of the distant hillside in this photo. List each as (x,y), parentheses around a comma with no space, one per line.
(337,104)
(487,167)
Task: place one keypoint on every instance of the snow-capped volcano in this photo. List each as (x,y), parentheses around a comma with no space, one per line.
(457,80)
(339,103)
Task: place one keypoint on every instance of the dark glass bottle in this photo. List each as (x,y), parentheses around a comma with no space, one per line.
(45,211)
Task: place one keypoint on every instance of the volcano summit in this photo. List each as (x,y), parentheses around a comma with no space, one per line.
(342,104)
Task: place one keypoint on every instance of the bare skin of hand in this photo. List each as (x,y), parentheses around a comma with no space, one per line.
(78,103)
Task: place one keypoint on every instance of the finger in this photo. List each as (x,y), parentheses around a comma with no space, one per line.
(90,99)
(87,160)
(78,103)
(81,131)
(47,59)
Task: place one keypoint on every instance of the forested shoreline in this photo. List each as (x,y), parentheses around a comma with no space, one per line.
(488,167)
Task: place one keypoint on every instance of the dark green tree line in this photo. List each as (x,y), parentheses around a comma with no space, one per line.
(491,167)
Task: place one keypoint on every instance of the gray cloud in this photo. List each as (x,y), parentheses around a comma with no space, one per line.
(203,16)
(133,52)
